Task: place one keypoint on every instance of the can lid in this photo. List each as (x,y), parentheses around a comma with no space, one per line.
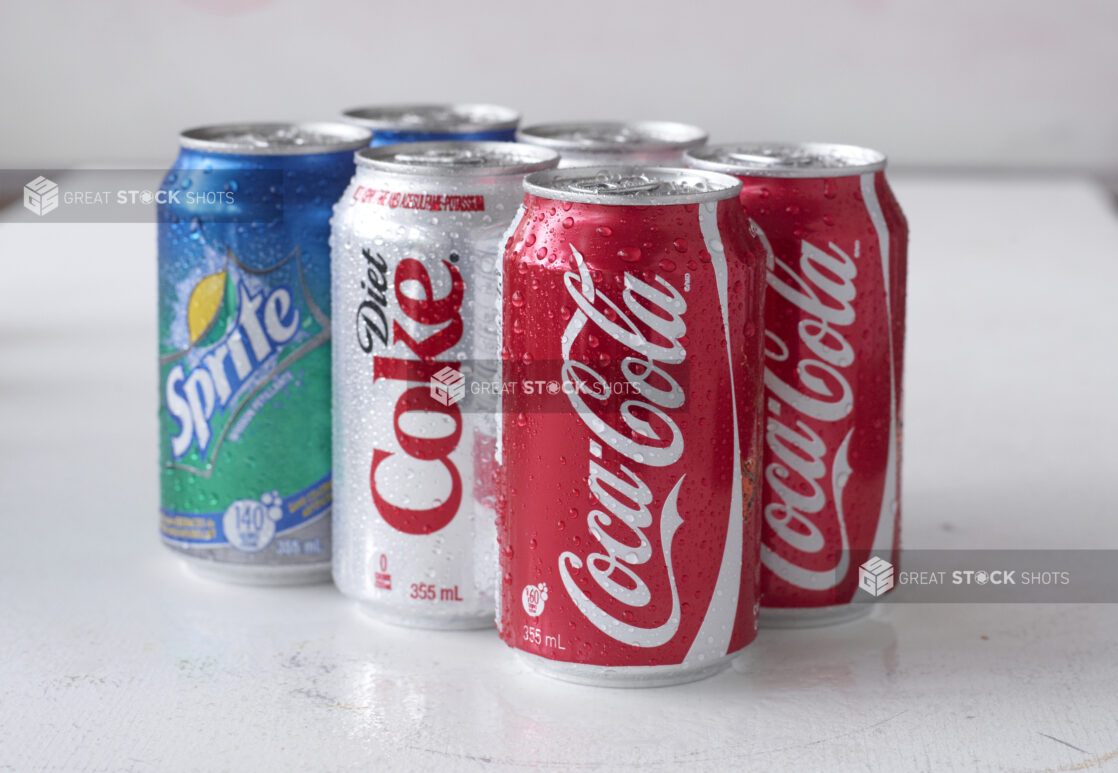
(614,136)
(275,139)
(434,118)
(471,159)
(786,159)
(632,186)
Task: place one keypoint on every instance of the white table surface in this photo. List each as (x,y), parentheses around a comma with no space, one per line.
(113,657)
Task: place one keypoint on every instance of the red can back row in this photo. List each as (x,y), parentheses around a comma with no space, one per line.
(835,244)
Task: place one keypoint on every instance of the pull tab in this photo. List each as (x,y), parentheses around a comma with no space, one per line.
(433,117)
(753,158)
(621,187)
(443,158)
(597,137)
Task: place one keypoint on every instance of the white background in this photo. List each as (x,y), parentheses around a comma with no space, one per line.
(952,82)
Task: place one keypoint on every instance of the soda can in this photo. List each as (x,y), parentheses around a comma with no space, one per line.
(627,530)
(603,143)
(427,123)
(414,244)
(244,352)
(836,243)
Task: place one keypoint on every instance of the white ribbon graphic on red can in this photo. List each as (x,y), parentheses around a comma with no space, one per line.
(800,449)
(576,375)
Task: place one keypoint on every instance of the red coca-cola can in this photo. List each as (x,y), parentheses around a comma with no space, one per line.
(835,243)
(631,380)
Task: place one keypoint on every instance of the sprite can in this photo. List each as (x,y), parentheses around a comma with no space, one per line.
(244,348)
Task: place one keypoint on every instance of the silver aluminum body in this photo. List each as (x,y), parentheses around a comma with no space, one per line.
(416,214)
(812,617)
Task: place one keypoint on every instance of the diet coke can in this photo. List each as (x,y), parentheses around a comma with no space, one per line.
(835,242)
(599,143)
(631,358)
(414,245)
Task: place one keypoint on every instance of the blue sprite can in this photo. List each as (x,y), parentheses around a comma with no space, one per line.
(391,124)
(244,348)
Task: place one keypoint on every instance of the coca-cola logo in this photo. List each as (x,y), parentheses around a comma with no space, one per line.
(645,435)
(805,481)
(440,319)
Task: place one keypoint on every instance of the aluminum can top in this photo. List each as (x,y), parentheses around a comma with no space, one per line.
(275,138)
(454,159)
(614,136)
(632,186)
(786,159)
(434,118)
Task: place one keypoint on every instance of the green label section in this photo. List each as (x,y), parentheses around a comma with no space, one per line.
(244,395)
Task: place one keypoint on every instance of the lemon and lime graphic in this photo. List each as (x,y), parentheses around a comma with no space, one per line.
(205,302)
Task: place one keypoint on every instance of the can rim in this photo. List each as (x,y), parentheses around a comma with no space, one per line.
(542,135)
(213,138)
(384,159)
(366,116)
(542,184)
(764,159)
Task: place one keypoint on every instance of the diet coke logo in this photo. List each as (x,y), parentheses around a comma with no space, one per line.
(625,500)
(435,322)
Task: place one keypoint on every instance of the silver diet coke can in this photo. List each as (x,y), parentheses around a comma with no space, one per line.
(414,242)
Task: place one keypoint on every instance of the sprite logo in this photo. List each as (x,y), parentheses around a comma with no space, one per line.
(264,323)
(238,333)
